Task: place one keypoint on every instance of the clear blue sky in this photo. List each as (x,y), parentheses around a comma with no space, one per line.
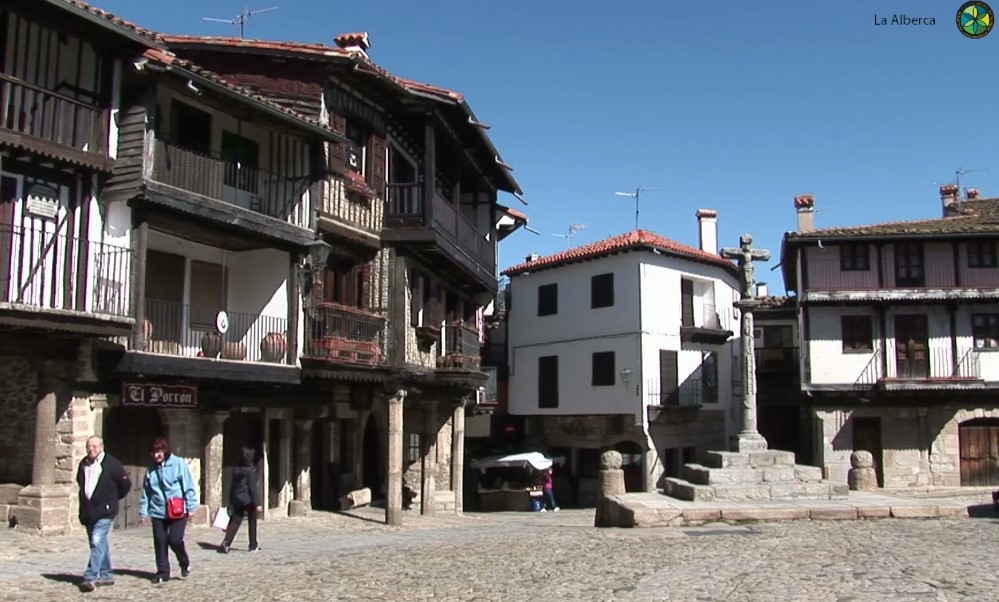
(735,106)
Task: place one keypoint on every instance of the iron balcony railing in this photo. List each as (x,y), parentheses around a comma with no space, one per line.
(275,195)
(189,331)
(691,393)
(703,314)
(59,272)
(32,110)
(339,333)
(461,346)
(936,364)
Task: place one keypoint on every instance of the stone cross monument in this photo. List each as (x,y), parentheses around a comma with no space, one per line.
(749,439)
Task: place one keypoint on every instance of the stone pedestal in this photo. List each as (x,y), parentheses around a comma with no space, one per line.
(302,504)
(458,457)
(611,484)
(43,509)
(862,476)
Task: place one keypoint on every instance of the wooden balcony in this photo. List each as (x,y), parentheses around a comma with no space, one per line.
(933,368)
(44,122)
(440,230)
(346,335)
(350,216)
(274,195)
(53,278)
(462,350)
(931,277)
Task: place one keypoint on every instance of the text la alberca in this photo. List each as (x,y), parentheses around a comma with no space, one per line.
(903,19)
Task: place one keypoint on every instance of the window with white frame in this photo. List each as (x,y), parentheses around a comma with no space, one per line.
(985,330)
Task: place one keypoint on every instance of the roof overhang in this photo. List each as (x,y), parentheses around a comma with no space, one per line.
(99,21)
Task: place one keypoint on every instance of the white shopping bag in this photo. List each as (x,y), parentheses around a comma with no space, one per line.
(221,521)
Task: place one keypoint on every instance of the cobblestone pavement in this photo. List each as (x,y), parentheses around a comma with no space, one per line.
(534,556)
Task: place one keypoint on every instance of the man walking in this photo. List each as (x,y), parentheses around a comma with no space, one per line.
(103,481)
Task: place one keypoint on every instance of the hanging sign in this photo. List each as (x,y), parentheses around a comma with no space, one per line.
(42,201)
(158,396)
(222,322)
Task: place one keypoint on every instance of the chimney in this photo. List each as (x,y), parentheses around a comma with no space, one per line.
(353,42)
(971,194)
(761,289)
(805,206)
(532,257)
(707,230)
(949,199)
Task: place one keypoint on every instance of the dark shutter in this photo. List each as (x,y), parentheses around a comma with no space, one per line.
(338,150)
(669,381)
(416,305)
(603,369)
(376,164)
(686,303)
(365,285)
(548,381)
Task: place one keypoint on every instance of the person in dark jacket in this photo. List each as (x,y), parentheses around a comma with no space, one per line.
(103,481)
(244,498)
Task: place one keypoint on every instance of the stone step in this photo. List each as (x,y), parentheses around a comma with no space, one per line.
(808,474)
(684,490)
(742,492)
(754,459)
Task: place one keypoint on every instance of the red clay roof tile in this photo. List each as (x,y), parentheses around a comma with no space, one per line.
(152,35)
(635,239)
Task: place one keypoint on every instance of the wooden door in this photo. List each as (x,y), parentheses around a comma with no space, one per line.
(867,437)
(979,452)
(128,433)
(911,345)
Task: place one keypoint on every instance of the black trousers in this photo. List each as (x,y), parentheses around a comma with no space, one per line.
(169,535)
(236,519)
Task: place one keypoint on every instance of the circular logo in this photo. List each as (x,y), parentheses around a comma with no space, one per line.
(222,322)
(975,19)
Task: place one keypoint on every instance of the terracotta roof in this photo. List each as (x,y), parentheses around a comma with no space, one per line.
(132,27)
(166,57)
(976,216)
(231,42)
(517,215)
(776,302)
(636,239)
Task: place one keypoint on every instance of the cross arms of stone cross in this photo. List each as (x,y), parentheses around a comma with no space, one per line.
(744,255)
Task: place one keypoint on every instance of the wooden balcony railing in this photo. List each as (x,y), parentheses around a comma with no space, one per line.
(58,272)
(461,347)
(344,334)
(275,195)
(933,272)
(405,209)
(190,331)
(32,110)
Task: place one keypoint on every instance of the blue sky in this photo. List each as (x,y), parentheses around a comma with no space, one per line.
(734,106)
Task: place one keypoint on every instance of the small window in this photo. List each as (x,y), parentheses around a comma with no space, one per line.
(357,135)
(548,381)
(603,369)
(602,291)
(985,330)
(857,333)
(548,300)
(854,258)
(981,254)
(413,451)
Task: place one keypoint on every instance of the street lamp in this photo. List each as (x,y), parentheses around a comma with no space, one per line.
(626,374)
(319,252)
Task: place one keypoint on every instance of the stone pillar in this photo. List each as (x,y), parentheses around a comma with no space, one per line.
(393,490)
(302,503)
(749,438)
(611,484)
(458,457)
(44,506)
(98,403)
(214,428)
(428,489)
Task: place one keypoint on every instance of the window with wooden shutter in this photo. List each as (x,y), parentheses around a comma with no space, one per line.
(209,283)
(416,285)
(548,381)
(687,303)
(376,164)
(338,150)
(346,284)
(669,381)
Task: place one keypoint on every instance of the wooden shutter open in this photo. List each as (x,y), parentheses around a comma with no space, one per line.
(338,150)
(209,283)
(686,303)
(669,380)
(376,164)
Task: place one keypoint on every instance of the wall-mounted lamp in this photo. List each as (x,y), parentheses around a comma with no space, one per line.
(626,375)
(308,274)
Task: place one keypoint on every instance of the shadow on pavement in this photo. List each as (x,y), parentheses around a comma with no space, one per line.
(204,545)
(982,511)
(63,577)
(135,573)
(359,517)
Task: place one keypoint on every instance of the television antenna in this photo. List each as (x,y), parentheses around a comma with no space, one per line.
(636,195)
(241,19)
(573,228)
(961,171)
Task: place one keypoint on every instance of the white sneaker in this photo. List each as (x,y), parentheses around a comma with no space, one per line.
(556,509)
(544,509)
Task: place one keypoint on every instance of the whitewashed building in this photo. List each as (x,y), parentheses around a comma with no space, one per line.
(626,343)
(899,328)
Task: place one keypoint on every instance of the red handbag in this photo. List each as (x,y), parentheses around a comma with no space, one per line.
(175,508)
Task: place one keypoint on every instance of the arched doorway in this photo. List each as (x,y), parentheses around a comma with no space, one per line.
(128,434)
(979,443)
(238,430)
(632,461)
(373,471)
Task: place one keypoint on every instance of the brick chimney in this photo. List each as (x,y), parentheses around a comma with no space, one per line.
(532,257)
(707,229)
(804,204)
(971,194)
(949,199)
(354,42)
(761,289)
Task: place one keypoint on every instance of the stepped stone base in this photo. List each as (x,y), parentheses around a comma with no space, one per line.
(752,475)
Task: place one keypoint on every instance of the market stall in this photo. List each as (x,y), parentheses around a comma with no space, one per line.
(510,482)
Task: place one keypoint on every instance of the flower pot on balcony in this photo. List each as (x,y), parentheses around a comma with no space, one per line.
(211,344)
(234,351)
(273,347)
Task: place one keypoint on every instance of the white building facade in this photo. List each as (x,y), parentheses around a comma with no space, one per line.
(629,344)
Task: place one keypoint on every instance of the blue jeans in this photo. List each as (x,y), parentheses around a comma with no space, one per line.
(99,568)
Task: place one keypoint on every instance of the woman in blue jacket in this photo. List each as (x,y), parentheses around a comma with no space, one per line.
(169,499)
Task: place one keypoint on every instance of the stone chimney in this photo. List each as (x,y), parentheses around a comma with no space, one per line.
(532,257)
(804,204)
(949,199)
(707,230)
(971,194)
(353,42)
(761,289)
